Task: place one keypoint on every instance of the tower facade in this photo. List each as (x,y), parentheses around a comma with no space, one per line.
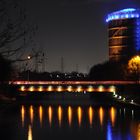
(123,34)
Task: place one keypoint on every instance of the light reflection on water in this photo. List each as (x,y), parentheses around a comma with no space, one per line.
(22,115)
(50,113)
(111,119)
(90,115)
(138,132)
(60,115)
(30,137)
(109,132)
(101,115)
(113,115)
(40,114)
(79,115)
(31,114)
(69,115)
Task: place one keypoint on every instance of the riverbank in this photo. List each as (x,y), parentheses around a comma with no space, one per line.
(94,99)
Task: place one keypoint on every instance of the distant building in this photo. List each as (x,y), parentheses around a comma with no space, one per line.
(123,34)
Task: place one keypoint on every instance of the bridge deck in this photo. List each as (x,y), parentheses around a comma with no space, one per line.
(70,86)
(72,82)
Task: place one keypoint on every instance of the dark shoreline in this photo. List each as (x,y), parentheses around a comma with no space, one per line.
(66,101)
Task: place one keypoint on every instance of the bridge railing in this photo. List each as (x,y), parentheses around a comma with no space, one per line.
(72,82)
(65,88)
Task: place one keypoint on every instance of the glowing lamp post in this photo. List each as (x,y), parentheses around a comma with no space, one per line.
(28,58)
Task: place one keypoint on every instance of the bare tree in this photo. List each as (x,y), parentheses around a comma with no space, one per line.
(15,32)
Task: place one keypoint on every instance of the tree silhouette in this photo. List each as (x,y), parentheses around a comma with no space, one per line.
(109,70)
(15,32)
(134,67)
(5,70)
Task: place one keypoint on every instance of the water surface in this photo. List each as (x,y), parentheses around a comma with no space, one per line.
(49,122)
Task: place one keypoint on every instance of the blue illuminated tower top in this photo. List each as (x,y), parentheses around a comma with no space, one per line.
(124,31)
(124,14)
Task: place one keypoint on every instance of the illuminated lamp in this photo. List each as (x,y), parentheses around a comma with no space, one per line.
(40,88)
(31,88)
(100,88)
(22,88)
(50,88)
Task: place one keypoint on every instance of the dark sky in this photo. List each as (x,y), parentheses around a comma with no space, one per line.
(73,29)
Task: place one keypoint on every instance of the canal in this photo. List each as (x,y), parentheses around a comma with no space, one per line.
(40,121)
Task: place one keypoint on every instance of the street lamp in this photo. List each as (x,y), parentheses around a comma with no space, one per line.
(28,72)
(29,57)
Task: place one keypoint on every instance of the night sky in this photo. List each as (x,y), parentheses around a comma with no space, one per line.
(73,29)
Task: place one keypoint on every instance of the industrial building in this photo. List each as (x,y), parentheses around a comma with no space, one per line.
(123,34)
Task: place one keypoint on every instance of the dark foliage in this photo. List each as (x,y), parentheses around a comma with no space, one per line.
(5,70)
(56,76)
(109,70)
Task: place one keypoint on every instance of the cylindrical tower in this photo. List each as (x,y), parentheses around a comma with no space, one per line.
(123,34)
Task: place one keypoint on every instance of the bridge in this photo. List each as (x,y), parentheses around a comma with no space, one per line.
(70,86)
